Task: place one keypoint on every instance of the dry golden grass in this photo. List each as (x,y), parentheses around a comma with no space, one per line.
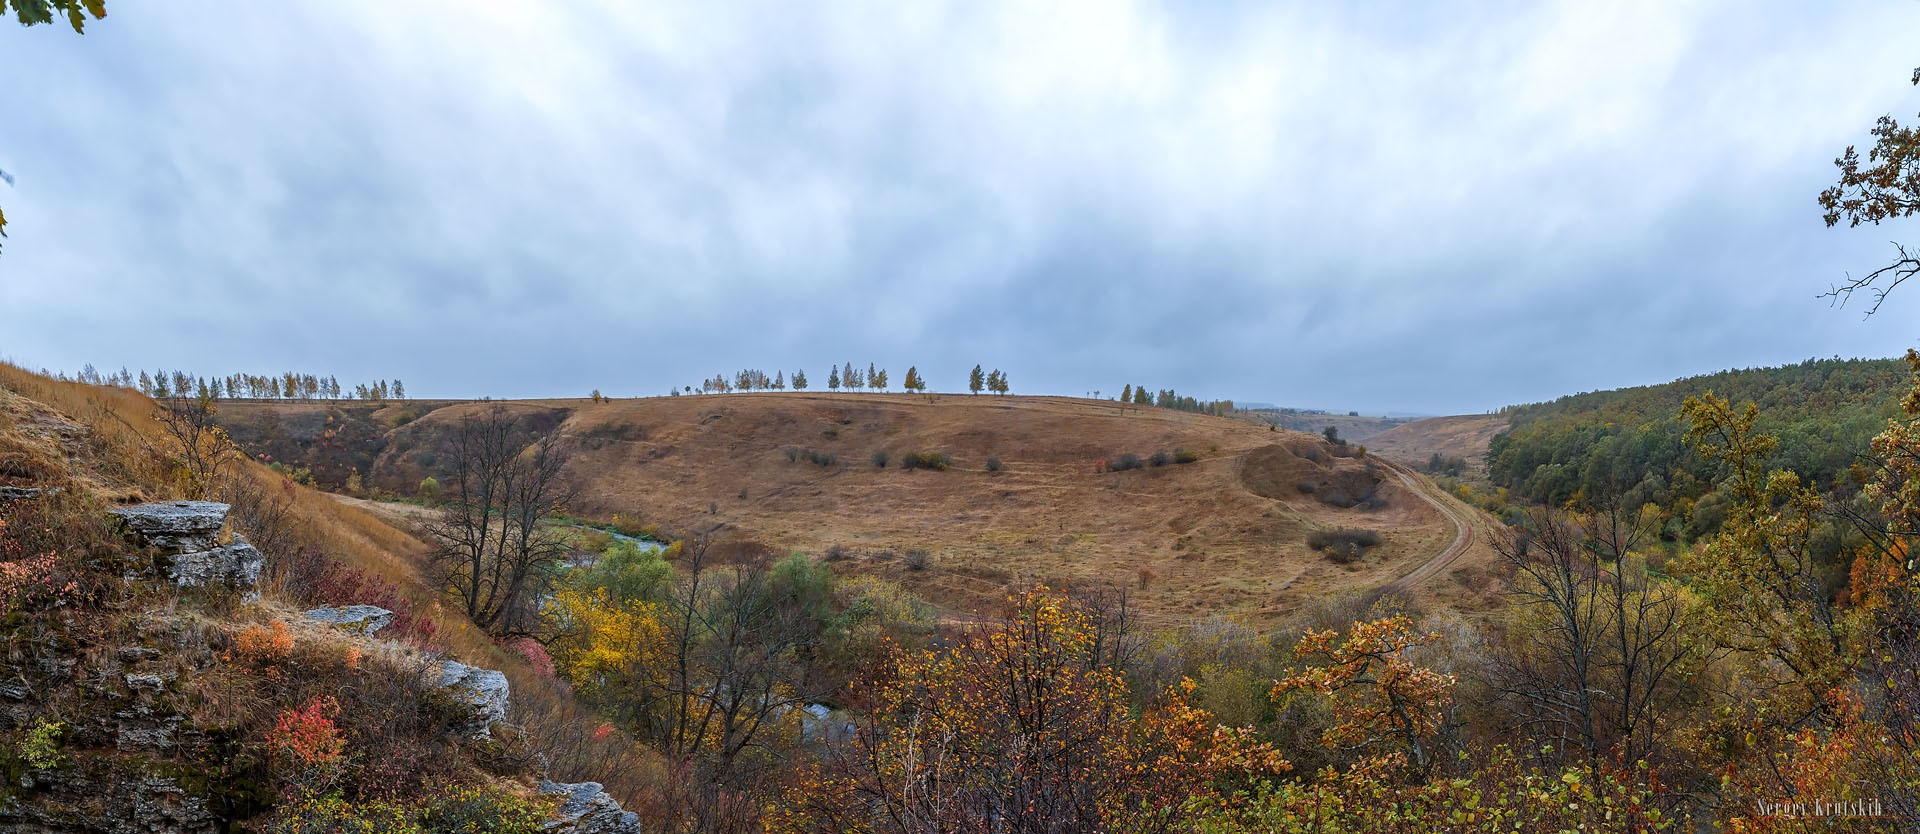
(1213,541)
(107,444)
(1465,436)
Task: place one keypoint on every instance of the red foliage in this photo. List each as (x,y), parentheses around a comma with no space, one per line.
(307,745)
(535,654)
(26,580)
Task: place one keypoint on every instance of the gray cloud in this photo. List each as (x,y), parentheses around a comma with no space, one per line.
(1435,209)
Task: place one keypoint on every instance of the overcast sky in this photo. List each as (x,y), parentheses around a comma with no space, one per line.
(1436,208)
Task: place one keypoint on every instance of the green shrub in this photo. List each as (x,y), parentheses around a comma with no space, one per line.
(41,748)
(1159,458)
(819,458)
(475,809)
(1124,462)
(792,454)
(1184,456)
(880,458)
(993,464)
(330,814)
(925,460)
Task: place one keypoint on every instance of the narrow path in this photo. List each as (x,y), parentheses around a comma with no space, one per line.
(1462,537)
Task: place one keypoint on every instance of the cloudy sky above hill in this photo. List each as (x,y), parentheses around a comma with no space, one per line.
(1437,208)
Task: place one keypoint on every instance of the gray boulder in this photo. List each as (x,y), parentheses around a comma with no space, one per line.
(359,619)
(176,526)
(484,690)
(587,809)
(235,565)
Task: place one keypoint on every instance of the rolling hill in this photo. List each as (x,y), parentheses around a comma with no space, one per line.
(1226,532)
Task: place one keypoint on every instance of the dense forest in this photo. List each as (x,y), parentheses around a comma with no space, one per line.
(1629,444)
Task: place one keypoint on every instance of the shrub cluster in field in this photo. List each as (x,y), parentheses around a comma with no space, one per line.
(813,456)
(1344,544)
(925,460)
(1128,460)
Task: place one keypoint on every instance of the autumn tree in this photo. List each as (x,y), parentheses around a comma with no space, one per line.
(914,382)
(491,553)
(1383,702)
(877,378)
(997,382)
(1884,186)
(1022,727)
(1126,394)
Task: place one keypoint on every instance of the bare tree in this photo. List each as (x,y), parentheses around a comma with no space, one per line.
(1601,658)
(202,448)
(491,552)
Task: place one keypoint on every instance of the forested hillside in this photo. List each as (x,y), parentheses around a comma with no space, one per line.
(1629,443)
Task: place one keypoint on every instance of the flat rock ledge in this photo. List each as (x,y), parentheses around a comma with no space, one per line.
(190,531)
(485,690)
(363,620)
(176,526)
(587,809)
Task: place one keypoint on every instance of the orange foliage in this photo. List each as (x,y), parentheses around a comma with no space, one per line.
(262,647)
(1021,722)
(1387,699)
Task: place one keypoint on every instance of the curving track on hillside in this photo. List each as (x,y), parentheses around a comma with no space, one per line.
(1462,536)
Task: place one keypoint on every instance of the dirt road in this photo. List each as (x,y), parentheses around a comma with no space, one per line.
(1463,535)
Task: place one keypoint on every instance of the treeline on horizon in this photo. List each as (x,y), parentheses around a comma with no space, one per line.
(163,384)
(292,385)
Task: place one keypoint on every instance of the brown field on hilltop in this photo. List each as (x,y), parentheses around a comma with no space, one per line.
(1225,533)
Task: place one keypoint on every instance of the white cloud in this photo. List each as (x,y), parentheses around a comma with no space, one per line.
(1150,192)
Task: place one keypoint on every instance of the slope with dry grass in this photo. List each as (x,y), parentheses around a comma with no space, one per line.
(1465,436)
(1225,533)
(99,447)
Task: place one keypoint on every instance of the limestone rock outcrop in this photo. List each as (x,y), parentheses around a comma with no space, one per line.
(190,532)
(364,620)
(177,526)
(484,690)
(587,809)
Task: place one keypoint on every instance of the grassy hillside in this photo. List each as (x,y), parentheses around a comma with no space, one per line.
(1629,441)
(1224,532)
(1465,437)
(217,697)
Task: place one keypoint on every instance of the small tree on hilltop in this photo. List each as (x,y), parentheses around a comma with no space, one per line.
(976,380)
(779,380)
(914,382)
(800,380)
(1126,394)
(878,379)
(833,380)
